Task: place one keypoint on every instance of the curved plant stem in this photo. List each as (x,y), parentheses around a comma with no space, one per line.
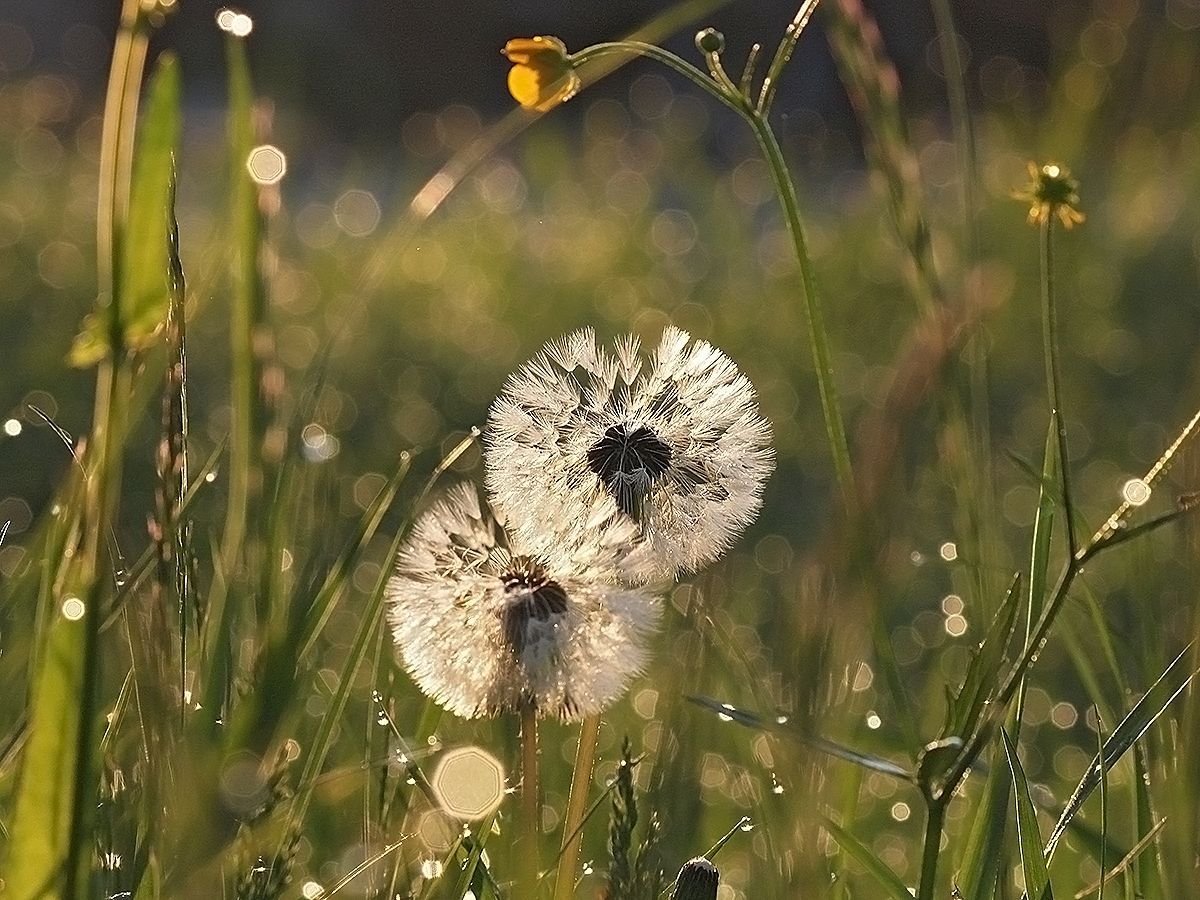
(755,116)
(581,779)
(531,807)
(819,342)
(666,57)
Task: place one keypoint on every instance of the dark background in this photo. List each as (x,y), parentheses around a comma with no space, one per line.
(355,70)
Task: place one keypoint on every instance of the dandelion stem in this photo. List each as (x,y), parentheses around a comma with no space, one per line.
(1053,379)
(581,779)
(531,808)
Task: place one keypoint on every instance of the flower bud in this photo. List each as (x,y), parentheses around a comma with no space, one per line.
(697,880)
(710,41)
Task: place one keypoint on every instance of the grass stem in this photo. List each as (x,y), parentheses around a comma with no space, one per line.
(581,779)
(531,807)
(818,339)
(935,816)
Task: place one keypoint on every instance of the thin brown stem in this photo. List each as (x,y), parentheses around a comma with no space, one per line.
(581,779)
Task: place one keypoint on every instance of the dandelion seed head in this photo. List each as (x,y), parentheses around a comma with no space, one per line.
(484,629)
(674,440)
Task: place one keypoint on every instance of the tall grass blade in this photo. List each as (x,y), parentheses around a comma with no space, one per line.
(980,865)
(1148,874)
(246,315)
(335,582)
(143,293)
(885,877)
(1033,864)
(984,667)
(1124,865)
(53,773)
(1174,679)
(749,719)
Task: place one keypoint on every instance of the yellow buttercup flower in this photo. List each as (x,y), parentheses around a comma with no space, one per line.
(542,75)
(1051,192)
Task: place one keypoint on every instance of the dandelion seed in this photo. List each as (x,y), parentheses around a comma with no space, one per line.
(487,623)
(542,75)
(1051,192)
(675,441)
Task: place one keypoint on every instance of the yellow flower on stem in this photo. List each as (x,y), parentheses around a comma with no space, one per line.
(542,75)
(1051,192)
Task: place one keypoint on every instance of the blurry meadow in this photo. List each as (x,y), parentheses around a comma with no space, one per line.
(211,705)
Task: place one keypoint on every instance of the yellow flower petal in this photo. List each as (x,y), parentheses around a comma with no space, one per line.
(542,75)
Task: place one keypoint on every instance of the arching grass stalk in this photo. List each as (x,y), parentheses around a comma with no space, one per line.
(738,97)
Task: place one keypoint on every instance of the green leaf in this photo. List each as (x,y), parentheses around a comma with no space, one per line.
(1149,875)
(143,294)
(1043,526)
(333,587)
(51,775)
(980,864)
(1137,721)
(984,667)
(1033,864)
(754,720)
(887,879)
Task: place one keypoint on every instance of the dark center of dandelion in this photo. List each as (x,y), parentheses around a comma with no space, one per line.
(628,462)
(532,596)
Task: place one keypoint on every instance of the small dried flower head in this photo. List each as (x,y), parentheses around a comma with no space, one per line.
(542,75)
(676,442)
(487,625)
(1052,192)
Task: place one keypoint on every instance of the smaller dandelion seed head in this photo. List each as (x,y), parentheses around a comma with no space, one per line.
(535,602)
(484,629)
(1052,191)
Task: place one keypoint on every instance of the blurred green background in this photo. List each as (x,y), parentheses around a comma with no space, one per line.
(639,204)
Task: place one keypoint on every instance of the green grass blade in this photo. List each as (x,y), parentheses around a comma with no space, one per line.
(1148,874)
(886,878)
(40,844)
(981,860)
(1033,864)
(1043,526)
(1174,679)
(984,668)
(142,269)
(470,869)
(247,299)
(1123,866)
(830,748)
(335,582)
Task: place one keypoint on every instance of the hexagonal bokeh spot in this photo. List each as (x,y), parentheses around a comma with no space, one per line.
(468,782)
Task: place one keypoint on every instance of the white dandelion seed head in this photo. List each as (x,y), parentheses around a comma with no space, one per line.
(674,440)
(486,626)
